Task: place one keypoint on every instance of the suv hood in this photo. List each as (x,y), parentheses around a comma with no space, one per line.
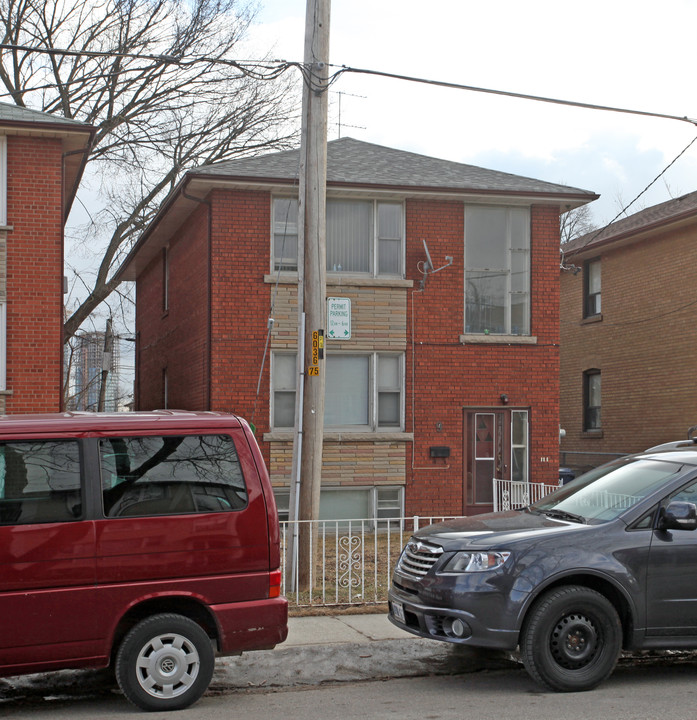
(494,528)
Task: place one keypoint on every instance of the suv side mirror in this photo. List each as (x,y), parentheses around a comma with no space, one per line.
(678,515)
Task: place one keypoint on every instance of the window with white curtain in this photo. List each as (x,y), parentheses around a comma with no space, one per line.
(381,504)
(363,236)
(497,270)
(363,391)
(283,380)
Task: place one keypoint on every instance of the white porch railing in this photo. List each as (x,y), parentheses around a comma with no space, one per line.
(511,494)
(353,560)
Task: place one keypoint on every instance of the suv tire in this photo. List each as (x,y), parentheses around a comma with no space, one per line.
(571,639)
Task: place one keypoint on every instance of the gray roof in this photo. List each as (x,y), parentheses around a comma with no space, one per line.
(15,114)
(353,162)
(641,222)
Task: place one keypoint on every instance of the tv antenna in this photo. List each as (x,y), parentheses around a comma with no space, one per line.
(339,124)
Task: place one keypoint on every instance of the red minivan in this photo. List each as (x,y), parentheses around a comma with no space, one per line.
(146,541)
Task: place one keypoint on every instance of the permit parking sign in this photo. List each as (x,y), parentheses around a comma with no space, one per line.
(338,318)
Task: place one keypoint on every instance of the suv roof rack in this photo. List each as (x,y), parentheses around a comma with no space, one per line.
(677,445)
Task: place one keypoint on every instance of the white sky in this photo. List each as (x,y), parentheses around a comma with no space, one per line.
(638,55)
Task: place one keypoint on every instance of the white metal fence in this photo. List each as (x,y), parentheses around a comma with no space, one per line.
(352,560)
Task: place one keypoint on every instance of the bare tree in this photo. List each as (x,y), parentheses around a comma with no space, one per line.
(159,81)
(576,222)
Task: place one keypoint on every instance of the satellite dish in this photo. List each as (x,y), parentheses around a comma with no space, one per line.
(429,263)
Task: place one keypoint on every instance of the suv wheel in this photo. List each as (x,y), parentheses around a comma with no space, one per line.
(571,639)
(165,662)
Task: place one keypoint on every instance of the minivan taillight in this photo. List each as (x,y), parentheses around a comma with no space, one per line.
(275,583)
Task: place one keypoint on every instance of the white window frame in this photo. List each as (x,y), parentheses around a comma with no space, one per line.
(374,240)
(508,271)
(373,393)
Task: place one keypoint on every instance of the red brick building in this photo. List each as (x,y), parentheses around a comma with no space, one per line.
(447,379)
(41,162)
(628,334)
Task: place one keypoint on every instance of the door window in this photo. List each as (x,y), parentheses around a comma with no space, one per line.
(485,443)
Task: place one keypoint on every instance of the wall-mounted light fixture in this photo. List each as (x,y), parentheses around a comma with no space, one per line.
(504,399)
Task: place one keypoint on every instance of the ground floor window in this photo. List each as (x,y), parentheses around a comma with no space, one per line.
(591,400)
(364,391)
(357,503)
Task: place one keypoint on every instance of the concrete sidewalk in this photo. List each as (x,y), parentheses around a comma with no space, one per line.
(341,648)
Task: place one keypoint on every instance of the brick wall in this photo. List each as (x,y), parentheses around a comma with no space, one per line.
(449,376)
(241,303)
(175,340)
(34,275)
(643,345)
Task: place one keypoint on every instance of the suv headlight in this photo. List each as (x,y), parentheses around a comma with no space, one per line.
(462,562)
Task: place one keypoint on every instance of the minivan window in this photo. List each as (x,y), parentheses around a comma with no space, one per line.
(39,482)
(170,475)
(605,493)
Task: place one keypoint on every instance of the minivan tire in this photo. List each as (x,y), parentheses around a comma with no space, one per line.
(571,639)
(165,662)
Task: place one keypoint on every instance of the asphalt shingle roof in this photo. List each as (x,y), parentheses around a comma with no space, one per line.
(657,215)
(354,162)
(16,114)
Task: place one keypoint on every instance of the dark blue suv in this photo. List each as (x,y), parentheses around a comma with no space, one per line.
(608,561)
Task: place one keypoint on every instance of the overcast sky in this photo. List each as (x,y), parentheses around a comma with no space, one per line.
(638,55)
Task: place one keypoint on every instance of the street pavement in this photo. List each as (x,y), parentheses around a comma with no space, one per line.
(319,649)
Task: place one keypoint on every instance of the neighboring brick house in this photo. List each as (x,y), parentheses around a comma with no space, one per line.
(41,162)
(629,334)
(437,389)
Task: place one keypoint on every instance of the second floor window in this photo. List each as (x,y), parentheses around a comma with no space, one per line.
(497,270)
(591,289)
(363,236)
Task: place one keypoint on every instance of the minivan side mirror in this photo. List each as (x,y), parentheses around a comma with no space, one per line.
(678,515)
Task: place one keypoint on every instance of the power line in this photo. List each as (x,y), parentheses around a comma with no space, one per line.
(508,93)
(277,67)
(595,234)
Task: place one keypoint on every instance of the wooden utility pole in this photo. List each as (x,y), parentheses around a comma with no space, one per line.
(312,273)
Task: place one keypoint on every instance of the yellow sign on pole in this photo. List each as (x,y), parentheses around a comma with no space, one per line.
(317,352)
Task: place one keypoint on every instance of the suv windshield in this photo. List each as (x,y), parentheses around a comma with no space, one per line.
(605,493)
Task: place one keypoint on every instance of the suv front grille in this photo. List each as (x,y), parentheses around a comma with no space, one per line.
(418,558)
